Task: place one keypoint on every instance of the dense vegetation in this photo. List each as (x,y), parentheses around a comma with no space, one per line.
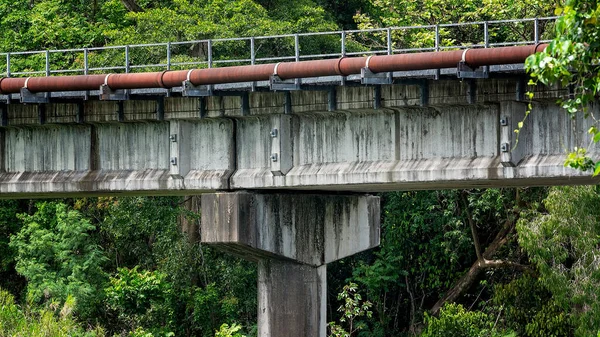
(498,262)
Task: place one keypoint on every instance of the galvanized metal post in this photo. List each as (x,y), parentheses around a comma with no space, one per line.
(85,61)
(297,47)
(437,48)
(437,37)
(389,41)
(536,31)
(169,55)
(126,59)
(210,55)
(7,64)
(486,34)
(47,63)
(343,37)
(252,51)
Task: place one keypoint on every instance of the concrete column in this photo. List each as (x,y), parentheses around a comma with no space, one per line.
(292,237)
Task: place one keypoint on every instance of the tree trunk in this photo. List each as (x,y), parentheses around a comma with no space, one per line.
(132,6)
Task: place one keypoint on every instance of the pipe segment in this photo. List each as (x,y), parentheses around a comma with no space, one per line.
(285,70)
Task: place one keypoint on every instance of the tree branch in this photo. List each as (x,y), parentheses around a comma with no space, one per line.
(483,262)
(132,6)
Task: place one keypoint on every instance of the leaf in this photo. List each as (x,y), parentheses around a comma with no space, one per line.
(597,169)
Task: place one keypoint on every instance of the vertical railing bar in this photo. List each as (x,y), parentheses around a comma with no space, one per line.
(47,63)
(343,37)
(486,34)
(7,64)
(389,41)
(85,61)
(297,46)
(437,37)
(127,59)
(536,32)
(210,54)
(252,51)
(169,55)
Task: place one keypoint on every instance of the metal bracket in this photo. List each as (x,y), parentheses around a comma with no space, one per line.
(3,115)
(465,71)
(80,113)
(521,88)
(377,97)
(120,111)
(202,108)
(41,113)
(36,98)
(276,83)
(160,108)
(331,99)
(287,105)
(107,94)
(191,90)
(245,104)
(369,77)
(472,92)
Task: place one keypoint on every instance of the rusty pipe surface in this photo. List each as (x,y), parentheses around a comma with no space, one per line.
(285,70)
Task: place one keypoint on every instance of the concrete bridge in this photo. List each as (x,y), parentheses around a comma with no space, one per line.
(285,164)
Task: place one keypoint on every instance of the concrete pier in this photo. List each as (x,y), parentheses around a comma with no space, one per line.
(292,237)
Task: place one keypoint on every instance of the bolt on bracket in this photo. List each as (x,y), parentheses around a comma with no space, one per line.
(191,90)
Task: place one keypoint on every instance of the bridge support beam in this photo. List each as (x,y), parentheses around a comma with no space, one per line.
(292,237)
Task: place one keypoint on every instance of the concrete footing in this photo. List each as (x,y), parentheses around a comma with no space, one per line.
(292,237)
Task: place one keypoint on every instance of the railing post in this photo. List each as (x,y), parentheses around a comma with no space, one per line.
(85,61)
(297,47)
(389,41)
(47,63)
(486,34)
(343,37)
(169,55)
(210,55)
(7,64)
(126,59)
(437,37)
(536,31)
(252,51)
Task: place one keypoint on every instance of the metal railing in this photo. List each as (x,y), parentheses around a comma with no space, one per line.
(276,48)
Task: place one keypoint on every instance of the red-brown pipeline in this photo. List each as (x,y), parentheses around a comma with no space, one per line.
(285,70)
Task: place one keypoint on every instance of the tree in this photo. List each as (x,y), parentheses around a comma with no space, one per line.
(401,13)
(571,60)
(59,258)
(563,245)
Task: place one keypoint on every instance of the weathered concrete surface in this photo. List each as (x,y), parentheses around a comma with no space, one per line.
(292,299)
(208,144)
(292,237)
(306,228)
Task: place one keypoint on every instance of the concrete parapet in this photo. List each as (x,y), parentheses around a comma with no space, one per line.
(292,237)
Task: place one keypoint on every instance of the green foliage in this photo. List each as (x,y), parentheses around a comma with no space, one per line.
(42,322)
(141,299)
(229,331)
(571,59)
(425,245)
(59,258)
(9,225)
(353,307)
(400,13)
(454,320)
(563,244)
(527,307)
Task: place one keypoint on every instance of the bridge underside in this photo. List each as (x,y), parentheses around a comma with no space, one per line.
(343,138)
